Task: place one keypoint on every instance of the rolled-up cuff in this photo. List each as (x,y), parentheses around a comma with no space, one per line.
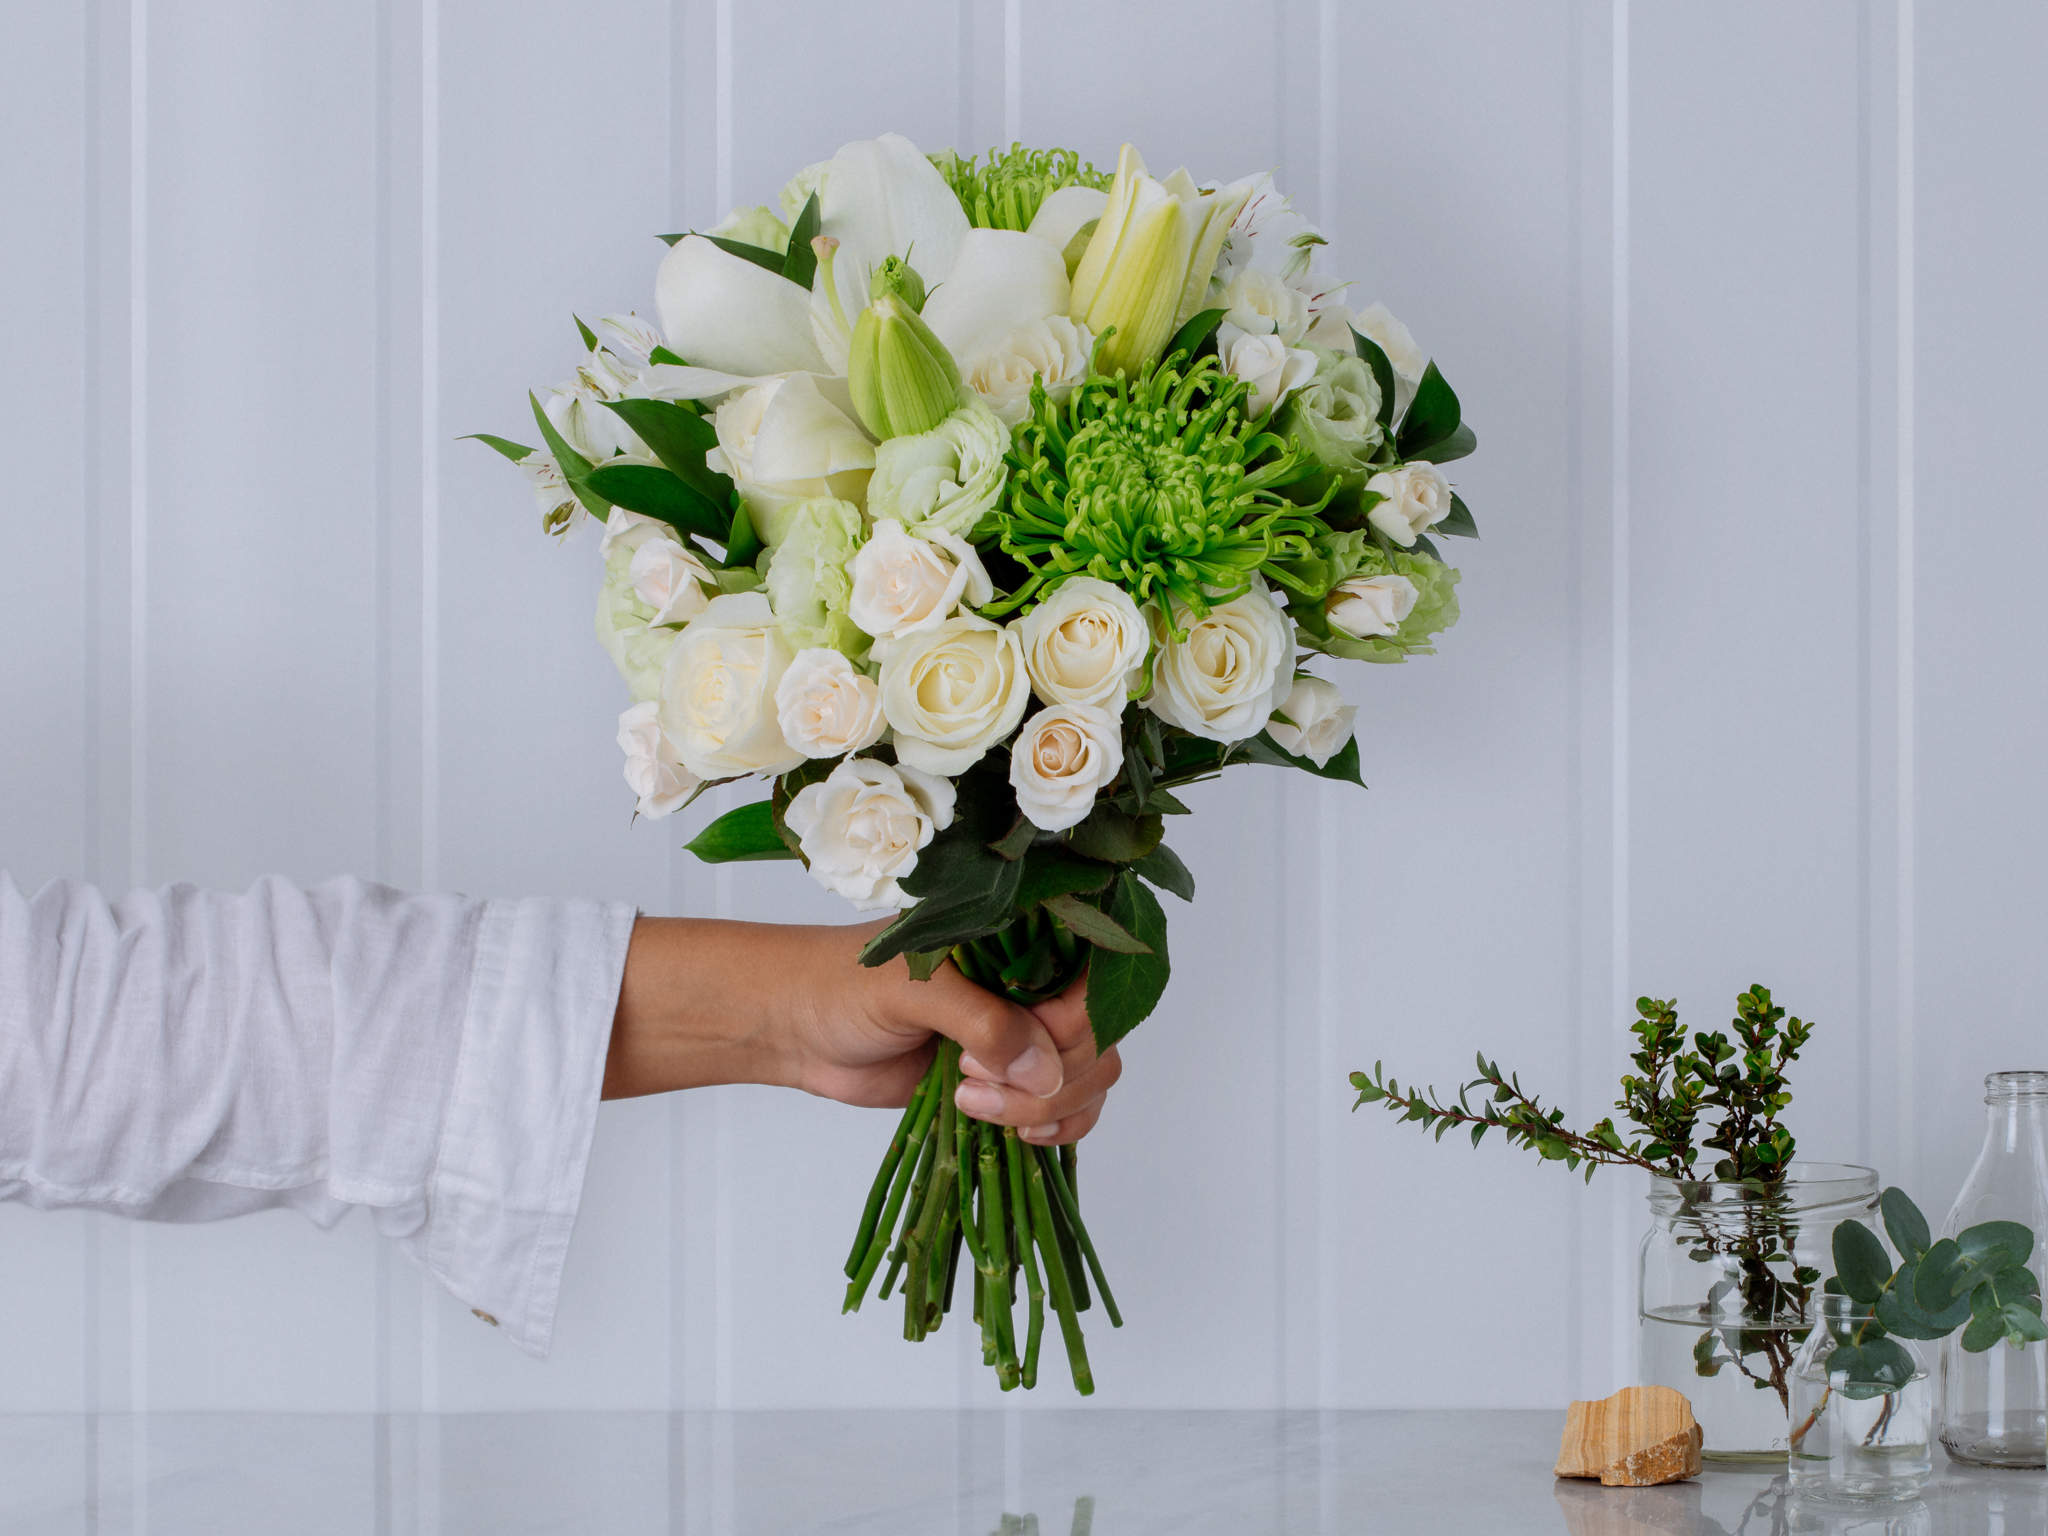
(515,1143)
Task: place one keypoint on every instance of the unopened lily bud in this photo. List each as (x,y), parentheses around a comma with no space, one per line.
(902,378)
(897,276)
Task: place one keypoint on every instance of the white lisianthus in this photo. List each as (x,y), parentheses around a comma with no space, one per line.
(1313,721)
(1224,680)
(1272,368)
(1053,351)
(629,530)
(945,478)
(785,441)
(1086,643)
(654,772)
(952,691)
(670,578)
(862,827)
(1377,323)
(798,189)
(903,584)
(756,226)
(826,707)
(1062,758)
(806,573)
(577,410)
(1262,303)
(1365,606)
(718,690)
(625,624)
(1417,497)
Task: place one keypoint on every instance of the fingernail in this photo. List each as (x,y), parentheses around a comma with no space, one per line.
(1037,1072)
(978,1099)
(973,1068)
(1040,1132)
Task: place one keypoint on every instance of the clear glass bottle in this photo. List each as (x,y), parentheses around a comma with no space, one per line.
(1728,1288)
(1852,1438)
(1994,1406)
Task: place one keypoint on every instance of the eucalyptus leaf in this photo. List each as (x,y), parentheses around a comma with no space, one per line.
(1940,1280)
(1982,1333)
(1861,1263)
(1995,1245)
(1904,1224)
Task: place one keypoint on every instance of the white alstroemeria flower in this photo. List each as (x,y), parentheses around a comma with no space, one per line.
(1053,351)
(1317,721)
(559,508)
(628,338)
(789,440)
(576,409)
(1270,237)
(654,772)
(1272,368)
(1417,497)
(904,583)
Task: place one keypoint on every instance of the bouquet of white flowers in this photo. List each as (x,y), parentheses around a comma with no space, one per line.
(976,507)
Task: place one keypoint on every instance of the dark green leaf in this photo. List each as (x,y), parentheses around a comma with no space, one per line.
(1433,415)
(1459,524)
(1459,444)
(1092,924)
(742,545)
(2023,1323)
(1016,842)
(801,261)
(573,465)
(1860,1261)
(1343,766)
(672,239)
(679,438)
(1941,1279)
(1904,1224)
(1994,1245)
(654,491)
(589,336)
(759,255)
(1116,836)
(1162,866)
(1382,372)
(1052,870)
(1882,1363)
(513,451)
(1199,328)
(1982,1333)
(1124,989)
(666,358)
(741,835)
(924,963)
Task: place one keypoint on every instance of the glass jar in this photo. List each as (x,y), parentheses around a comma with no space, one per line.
(1726,1293)
(1859,1432)
(1994,1405)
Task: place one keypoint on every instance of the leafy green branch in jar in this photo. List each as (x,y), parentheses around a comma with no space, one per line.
(1978,1281)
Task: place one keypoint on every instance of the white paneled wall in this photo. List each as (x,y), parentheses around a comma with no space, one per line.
(1742,300)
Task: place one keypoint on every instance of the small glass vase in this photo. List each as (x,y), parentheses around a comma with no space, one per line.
(1727,1289)
(1994,1405)
(1854,1438)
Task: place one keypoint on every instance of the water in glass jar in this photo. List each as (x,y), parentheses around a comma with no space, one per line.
(1873,1447)
(1740,1419)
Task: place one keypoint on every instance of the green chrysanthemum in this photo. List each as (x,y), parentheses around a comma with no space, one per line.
(1163,485)
(1006,192)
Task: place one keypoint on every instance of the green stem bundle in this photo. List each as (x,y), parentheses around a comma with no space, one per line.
(950,1182)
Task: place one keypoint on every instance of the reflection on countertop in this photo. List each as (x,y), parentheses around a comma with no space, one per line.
(1029,1472)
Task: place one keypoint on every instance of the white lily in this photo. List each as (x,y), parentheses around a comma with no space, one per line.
(790,439)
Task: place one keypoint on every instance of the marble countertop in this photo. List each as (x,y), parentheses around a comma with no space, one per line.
(1028,1473)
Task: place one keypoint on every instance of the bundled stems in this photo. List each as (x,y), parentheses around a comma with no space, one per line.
(950,1182)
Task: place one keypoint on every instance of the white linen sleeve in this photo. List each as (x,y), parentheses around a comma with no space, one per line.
(186,1055)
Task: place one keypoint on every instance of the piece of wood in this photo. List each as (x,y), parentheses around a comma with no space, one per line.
(1638,1437)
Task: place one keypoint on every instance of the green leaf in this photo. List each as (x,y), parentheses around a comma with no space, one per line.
(1162,866)
(742,545)
(741,835)
(1860,1261)
(1433,415)
(1904,1224)
(800,262)
(759,255)
(680,438)
(1016,842)
(654,491)
(1941,1280)
(1124,989)
(573,465)
(1994,1245)
(1459,444)
(1459,524)
(1115,835)
(589,336)
(513,451)
(672,239)
(1092,924)
(924,963)
(2023,1323)
(666,358)
(1382,372)
(1199,328)
(1881,1363)
(1982,1333)
(1343,767)
(1052,870)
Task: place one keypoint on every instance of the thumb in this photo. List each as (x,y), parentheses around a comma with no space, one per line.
(1010,1043)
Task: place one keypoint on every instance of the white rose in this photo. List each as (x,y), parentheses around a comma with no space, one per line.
(1086,643)
(669,578)
(903,584)
(718,691)
(953,691)
(1377,323)
(1224,681)
(863,826)
(1272,368)
(1263,303)
(1317,723)
(654,772)
(1366,606)
(1062,758)
(786,441)
(1054,350)
(946,477)
(1417,496)
(826,707)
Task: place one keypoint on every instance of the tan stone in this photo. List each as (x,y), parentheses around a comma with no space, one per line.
(1639,1436)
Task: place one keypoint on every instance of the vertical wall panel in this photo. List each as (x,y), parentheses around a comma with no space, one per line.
(1448,907)
(48,562)
(543,210)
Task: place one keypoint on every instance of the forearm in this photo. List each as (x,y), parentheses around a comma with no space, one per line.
(702,1003)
